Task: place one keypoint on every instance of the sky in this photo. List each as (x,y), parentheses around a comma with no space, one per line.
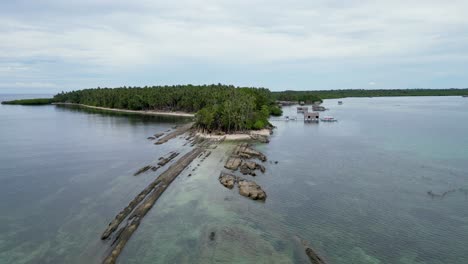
(50,46)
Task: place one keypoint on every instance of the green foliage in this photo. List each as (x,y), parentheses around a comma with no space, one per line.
(37,101)
(217,107)
(275,110)
(259,124)
(311,96)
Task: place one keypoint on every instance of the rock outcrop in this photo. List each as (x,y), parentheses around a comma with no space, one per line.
(246,151)
(251,190)
(163,161)
(233,163)
(227,180)
(158,135)
(247,188)
(145,168)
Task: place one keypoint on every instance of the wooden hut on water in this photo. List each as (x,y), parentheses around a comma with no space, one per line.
(311,117)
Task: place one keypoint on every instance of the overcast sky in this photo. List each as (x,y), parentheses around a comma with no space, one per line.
(54,45)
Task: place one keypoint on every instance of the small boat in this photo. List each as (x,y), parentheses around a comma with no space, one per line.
(286,118)
(340,102)
(328,119)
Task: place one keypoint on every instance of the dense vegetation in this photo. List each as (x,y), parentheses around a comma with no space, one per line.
(312,96)
(37,101)
(217,107)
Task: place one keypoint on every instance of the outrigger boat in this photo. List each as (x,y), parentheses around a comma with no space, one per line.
(328,119)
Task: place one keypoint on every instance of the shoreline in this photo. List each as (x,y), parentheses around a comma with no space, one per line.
(252,134)
(155,113)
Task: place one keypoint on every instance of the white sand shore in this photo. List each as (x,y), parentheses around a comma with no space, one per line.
(158,113)
(238,136)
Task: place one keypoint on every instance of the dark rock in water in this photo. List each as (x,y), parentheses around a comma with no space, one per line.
(276,162)
(164,161)
(261,167)
(158,135)
(145,168)
(212,236)
(248,167)
(190,175)
(151,138)
(155,168)
(313,257)
(227,180)
(251,190)
(139,207)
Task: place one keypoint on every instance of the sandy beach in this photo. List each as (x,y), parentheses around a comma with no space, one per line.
(236,136)
(157,113)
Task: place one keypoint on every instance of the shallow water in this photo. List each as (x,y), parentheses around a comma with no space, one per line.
(355,189)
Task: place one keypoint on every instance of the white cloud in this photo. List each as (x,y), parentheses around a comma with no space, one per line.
(120,35)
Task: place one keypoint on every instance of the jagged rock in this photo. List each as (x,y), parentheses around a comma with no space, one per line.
(145,168)
(151,138)
(244,169)
(261,168)
(249,167)
(245,156)
(251,190)
(164,161)
(233,163)
(158,135)
(245,150)
(227,180)
(250,164)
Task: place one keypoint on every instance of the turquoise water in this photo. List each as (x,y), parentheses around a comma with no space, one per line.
(357,189)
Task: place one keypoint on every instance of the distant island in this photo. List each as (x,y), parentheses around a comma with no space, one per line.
(215,107)
(319,95)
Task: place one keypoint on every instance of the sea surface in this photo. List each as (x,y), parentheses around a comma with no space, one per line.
(387,183)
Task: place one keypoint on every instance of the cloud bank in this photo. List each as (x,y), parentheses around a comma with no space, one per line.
(297,44)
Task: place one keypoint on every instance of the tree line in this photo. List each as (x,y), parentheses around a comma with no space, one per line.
(217,107)
(314,96)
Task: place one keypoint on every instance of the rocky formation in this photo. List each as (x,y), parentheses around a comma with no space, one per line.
(145,168)
(158,135)
(245,151)
(179,131)
(313,257)
(247,188)
(251,190)
(151,138)
(163,161)
(249,167)
(140,206)
(227,180)
(233,163)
